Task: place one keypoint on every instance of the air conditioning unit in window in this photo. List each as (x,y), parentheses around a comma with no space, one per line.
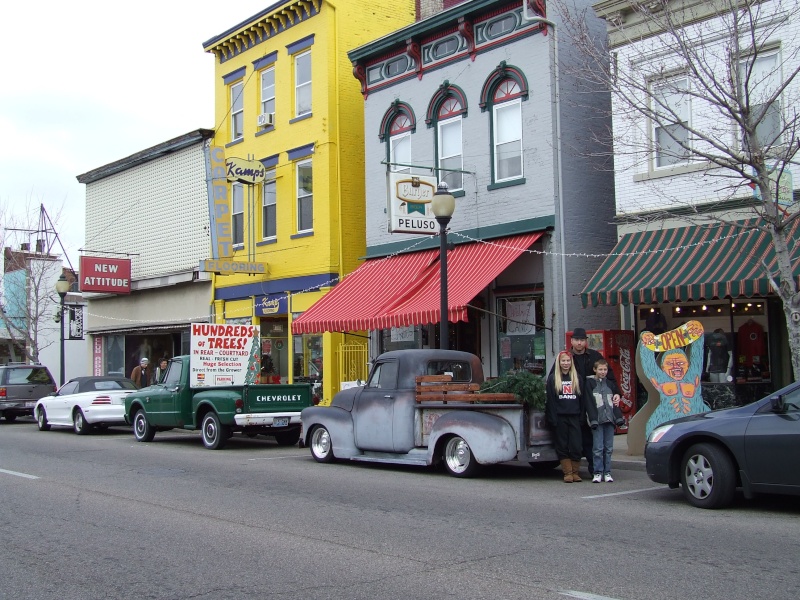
(266,119)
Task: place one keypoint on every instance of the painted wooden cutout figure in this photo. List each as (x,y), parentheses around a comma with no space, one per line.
(675,376)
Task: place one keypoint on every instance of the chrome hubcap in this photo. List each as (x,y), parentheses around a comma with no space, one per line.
(457,455)
(699,476)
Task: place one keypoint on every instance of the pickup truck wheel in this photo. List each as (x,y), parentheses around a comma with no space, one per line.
(289,438)
(458,458)
(321,446)
(708,477)
(214,434)
(79,424)
(41,420)
(142,430)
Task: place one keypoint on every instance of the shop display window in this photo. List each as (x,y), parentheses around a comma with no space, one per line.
(521,344)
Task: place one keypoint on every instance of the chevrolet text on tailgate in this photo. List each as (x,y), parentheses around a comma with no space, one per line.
(423,407)
(217,411)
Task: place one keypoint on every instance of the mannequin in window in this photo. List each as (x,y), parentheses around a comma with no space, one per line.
(656,323)
(719,358)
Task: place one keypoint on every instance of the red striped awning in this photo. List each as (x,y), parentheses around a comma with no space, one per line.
(403,290)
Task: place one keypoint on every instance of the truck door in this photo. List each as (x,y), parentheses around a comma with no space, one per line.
(165,398)
(373,411)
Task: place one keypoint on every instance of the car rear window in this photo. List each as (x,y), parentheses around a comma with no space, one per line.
(114,385)
(460,371)
(35,375)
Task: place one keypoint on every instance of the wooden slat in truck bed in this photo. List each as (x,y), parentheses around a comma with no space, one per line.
(440,388)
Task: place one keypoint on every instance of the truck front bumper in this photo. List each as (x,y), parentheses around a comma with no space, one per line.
(267,419)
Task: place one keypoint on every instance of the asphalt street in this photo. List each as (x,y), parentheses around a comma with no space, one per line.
(103,516)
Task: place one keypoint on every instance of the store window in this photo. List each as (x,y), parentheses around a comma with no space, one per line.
(521,344)
(307,356)
(402,338)
(274,350)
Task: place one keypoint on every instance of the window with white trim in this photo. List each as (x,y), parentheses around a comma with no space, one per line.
(400,143)
(760,77)
(305,196)
(450,144)
(507,131)
(672,106)
(237,214)
(237,111)
(302,83)
(268,211)
(268,91)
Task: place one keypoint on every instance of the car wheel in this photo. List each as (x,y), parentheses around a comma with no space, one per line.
(142,430)
(458,458)
(11,418)
(708,478)
(321,445)
(41,420)
(214,434)
(290,438)
(79,423)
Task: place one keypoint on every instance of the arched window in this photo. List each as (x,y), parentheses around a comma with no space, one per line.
(503,93)
(446,111)
(396,128)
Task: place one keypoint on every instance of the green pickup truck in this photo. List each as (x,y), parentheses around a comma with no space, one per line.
(217,411)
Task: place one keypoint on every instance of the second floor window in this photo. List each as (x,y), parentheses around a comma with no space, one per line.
(302,83)
(305,197)
(237,111)
(269,229)
(760,78)
(400,144)
(449,142)
(507,111)
(670,132)
(237,214)
(268,91)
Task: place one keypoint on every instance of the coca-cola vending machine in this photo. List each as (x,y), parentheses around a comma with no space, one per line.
(618,347)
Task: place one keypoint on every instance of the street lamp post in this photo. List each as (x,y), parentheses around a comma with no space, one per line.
(443,205)
(62,287)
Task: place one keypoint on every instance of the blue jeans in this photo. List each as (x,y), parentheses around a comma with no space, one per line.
(602,447)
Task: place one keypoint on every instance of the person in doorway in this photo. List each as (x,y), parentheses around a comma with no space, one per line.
(564,409)
(585,359)
(601,420)
(161,370)
(142,374)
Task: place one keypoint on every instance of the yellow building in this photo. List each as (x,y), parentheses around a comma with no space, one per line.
(289,117)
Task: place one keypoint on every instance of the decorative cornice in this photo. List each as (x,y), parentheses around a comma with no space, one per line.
(260,27)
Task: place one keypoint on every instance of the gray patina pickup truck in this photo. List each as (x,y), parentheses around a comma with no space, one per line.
(423,407)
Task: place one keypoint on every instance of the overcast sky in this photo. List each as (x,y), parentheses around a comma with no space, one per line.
(87,82)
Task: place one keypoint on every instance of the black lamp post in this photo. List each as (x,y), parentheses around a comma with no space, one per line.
(443,205)
(62,287)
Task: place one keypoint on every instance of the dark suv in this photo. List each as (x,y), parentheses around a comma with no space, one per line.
(21,385)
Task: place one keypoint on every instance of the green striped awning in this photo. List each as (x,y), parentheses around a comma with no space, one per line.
(688,263)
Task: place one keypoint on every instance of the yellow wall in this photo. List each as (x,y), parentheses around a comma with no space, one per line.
(336,130)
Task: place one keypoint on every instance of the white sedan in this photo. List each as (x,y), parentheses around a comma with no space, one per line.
(84,402)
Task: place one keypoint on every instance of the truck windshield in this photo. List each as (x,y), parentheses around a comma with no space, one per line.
(460,371)
(173,376)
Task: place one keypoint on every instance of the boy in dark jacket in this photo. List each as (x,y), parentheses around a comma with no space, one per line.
(600,414)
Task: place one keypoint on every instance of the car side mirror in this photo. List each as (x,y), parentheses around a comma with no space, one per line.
(52,393)
(778,405)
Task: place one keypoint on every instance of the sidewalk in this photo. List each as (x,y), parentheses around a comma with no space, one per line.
(621,459)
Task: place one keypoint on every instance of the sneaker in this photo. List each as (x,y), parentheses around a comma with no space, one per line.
(608,478)
(596,478)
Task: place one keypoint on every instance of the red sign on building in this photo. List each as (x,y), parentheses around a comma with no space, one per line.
(109,275)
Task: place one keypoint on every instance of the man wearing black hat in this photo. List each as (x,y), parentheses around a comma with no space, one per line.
(584,358)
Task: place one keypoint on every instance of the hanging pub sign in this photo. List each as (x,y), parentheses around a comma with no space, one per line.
(109,275)
(409,204)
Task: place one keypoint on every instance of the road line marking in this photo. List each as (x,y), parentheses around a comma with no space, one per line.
(279,457)
(584,595)
(622,493)
(25,475)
